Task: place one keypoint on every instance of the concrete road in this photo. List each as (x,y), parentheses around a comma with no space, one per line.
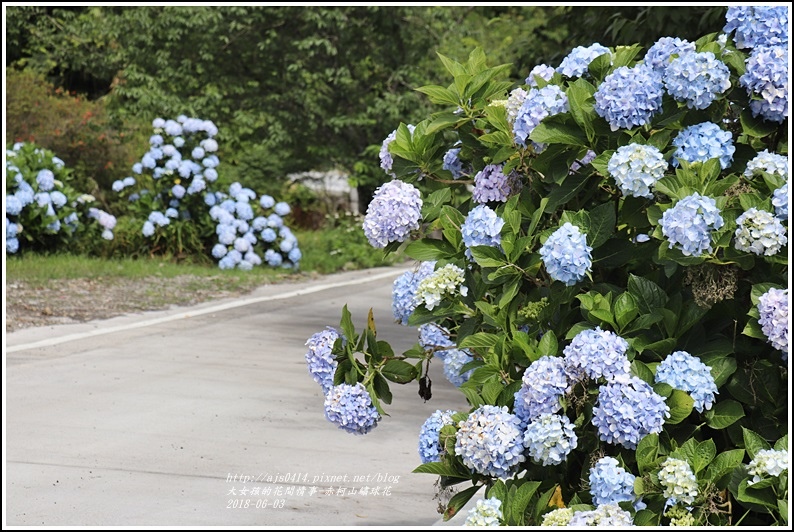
(207,416)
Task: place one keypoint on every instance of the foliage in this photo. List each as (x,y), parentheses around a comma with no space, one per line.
(658,281)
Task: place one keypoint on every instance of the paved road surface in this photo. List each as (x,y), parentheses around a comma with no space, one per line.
(146,419)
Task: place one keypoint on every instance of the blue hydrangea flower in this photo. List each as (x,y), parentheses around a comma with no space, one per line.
(156,217)
(610,483)
(117,186)
(767,463)
(679,481)
(453,163)
(575,63)
(320,359)
(688,225)
(566,255)
(12,245)
(482,227)
(454,360)
(148,228)
(766,81)
(629,97)
(395,211)
(351,408)
(433,337)
(273,258)
(486,512)
(219,251)
(595,354)
(430,449)
(446,281)
(43,199)
(209,145)
(550,438)
(490,184)
(660,54)
(773,318)
(780,202)
(757,26)
(45,179)
(636,168)
(282,208)
(759,232)
(158,123)
(266,201)
(13,205)
(404,300)
(605,515)
(702,142)
(697,79)
(628,410)
(543,71)
(490,441)
(295,255)
(543,384)
(538,104)
(766,161)
(685,372)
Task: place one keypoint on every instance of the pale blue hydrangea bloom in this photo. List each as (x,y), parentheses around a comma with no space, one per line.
(273,258)
(169,150)
(275,221)
(43,199)
(45,179)
(252,257)
(685,372)
(156,140)
(490,184)
(769,162)
(605,515)
(58,162)
(434,337)
(430,449)
(266,201)
(13,205)
(453,163)
(404,300)
(268,235)
(197,153)
(137,168)
(679,481)
(147,161)
(12,245)
(210,174)
(490,441)
(628,410)
(759,232)
(767,463)
(557,517)
(350,407)
(697,79)
(58,198)
(549,439)
(538,104)
(576,62)
(241,244)
(780,202)
(660,54)
(482,227)
(171,212)
(210,162)
(443,282)
(636,168)
(11,229)
(394,212)
(197,185)
(158,123)
(629,97)
(178,191)
(594,353)
(295,255)
(148,228)
(688,225)
(244,210)
(610,483)
(766,76)
(773,318)
(486,512)
(454,360)
(245,266)
(757,26)
(172,128)
(117,186)
(179,141)
(156,217)
(54,227)
(209,145)
(282,208)
(702,142)
(543,384)
(543,71)
(566,255)
(320,359)
(219,251)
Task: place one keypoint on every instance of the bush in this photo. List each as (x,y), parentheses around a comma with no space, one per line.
(609,291)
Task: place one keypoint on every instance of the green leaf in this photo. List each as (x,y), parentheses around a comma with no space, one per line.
(753,442)
(439,95)
(625,309)
(647,453)
(399,371)
(704,454)
(429,249)
(724,463)
(724,414)
(381,388)
(680,404)
(641,370)
(781,444)
(649,295)
(764,498)
(346,324)
(581,103)
(548,344)
(756,126)
(480,340)
(490,392)
(551,131)
(488,256)
(521,498)
(459,501)
(602,224)
(645,517)
(438,468)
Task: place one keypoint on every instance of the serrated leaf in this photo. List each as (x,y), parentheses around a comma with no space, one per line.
(680,404)
(724,414)
(398,371)
(647,453)
(753,442)
(647,294)
(724,463)
(441,469)
(703,455)
(459,501)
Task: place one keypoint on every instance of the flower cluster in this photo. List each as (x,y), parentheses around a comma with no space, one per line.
(759,232)
(588,158)
(454,360)
(685,372)
(105,220)
(542,71)
(490,184)
(680,516)
(538,104)
(575,64)
(549,439)
(690,222)
(660,54)
(566,255)
(780,202)
(482,227)
(393,213)
(628,410)
(704,141)
(767,463)
(430,449)
(543,384)
(434,337)
(629,97)
(697,79)
(757,26)
(452,163)
(351,408)
(486,512)
(773,318)
(766,161)
(513,103)
(678,481)
(610,483)
(595,353)
(636,168)
(442,282)
(557,517)
(605,515)
(320,359)
(404,300)
(490,441)
(766,82)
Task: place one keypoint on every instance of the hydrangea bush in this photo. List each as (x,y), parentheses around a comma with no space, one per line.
(614,261)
